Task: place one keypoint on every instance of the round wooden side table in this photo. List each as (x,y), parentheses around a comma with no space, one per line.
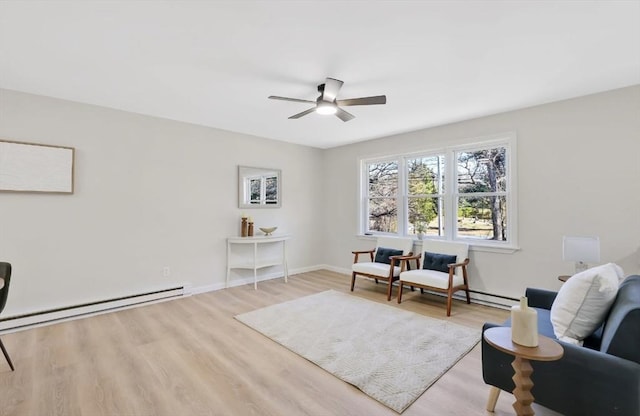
(547,350)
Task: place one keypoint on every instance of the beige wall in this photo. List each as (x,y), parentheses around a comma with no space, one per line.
(149,193)
(152,193)
(579,174)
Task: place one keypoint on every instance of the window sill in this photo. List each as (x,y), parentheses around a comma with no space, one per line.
(493,249)
(487,248)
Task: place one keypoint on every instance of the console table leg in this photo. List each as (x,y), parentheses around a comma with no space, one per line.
(226,284)
(284,261)
(522,392)
(255,266)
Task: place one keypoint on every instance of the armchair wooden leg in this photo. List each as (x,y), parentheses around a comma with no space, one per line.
(494,393)
(376,280)
(389,290)
(353,280)
(6,355)
(421,291)
(399,291)
(466,283)
(449,298)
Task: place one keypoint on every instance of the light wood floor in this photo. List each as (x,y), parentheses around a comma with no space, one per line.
(190,357)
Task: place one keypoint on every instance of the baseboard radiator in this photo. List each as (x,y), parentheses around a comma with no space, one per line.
(481,298)
(28,320)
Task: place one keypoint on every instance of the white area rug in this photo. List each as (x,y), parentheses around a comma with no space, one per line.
(390,354)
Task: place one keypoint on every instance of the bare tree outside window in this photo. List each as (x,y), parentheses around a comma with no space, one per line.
(383,197)
(482,186)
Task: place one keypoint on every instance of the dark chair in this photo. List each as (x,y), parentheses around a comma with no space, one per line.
(601,378)
(5,275)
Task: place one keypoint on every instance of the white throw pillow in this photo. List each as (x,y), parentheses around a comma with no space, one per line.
(583,302)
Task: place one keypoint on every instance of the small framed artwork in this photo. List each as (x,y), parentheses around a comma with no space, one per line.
(32,167)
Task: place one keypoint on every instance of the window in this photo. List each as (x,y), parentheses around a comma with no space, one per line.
(382,197)
(425,186)
(263,189)
(482,194)
(457,193)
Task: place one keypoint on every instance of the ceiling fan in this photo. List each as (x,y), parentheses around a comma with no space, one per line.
(326,103)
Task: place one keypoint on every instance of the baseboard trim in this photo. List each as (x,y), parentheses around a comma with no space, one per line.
(47,317)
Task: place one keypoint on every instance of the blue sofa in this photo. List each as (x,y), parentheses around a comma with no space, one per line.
(600,378)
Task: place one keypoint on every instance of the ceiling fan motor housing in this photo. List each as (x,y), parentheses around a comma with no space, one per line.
(321,91)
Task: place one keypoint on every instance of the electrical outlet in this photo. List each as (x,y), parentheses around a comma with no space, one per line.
(166,271)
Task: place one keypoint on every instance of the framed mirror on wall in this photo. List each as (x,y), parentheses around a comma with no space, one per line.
(259,187)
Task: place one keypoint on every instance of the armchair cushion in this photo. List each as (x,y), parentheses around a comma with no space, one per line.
(432,278)
(438,262)
(383,254)
(375,269)
(583,302)
(460,251)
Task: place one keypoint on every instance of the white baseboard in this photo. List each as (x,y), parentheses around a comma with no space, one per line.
(336,269)
(35,319)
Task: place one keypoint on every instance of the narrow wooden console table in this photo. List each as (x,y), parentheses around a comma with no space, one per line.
(258,260)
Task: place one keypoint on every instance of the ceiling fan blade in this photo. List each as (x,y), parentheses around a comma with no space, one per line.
(343,115)
(378,99)
(304,113)
(331,88)
(297,100)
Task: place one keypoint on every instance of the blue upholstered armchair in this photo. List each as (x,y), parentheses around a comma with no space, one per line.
(600,378)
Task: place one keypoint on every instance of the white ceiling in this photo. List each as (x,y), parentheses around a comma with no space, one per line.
(215,62)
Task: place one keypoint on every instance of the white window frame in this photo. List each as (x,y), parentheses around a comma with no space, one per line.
(451,194)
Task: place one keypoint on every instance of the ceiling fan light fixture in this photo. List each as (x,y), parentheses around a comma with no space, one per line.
(328,104)
(326,108)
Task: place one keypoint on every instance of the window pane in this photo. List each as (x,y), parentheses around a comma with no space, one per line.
(255,191)
(483,218)
(424,175)
(482,171)
(426,215)
(383,179)
(271,190)
(383,215)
